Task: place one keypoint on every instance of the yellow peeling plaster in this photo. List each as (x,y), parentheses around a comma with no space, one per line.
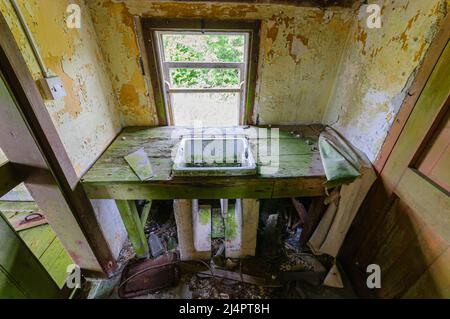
(87,118)
(378,67)
(297,68)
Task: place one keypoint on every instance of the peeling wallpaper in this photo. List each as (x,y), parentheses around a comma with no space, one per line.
(87,118)
(378,67)
(297,63)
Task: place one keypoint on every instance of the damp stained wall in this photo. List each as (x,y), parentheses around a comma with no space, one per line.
(377,68)
(87,119)
(299,50)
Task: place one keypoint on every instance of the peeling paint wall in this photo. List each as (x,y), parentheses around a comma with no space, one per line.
(87,118)
(297,64)
(377,68)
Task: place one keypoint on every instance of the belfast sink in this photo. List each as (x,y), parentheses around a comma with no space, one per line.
(214,156)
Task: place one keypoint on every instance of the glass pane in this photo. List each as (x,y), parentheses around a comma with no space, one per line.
(212,109)
(204,47)
(204,78)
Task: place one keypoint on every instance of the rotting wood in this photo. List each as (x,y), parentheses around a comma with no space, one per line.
(145,212)
(300,171)
(130,216)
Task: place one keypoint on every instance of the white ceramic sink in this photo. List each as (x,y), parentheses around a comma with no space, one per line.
(214,156)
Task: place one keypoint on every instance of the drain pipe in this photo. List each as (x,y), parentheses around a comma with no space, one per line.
(30,38)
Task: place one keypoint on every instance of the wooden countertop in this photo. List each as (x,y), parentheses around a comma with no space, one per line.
(299,167)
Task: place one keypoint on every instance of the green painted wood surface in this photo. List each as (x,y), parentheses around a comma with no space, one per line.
(133,224)
(299,160)
(22,275)
(44,244)
(145,212)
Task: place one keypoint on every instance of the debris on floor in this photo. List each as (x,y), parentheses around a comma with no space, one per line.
(282,267)
(145,276)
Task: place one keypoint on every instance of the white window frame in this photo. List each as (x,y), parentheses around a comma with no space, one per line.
(165,67)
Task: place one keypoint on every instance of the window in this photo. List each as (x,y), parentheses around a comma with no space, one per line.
(202,72)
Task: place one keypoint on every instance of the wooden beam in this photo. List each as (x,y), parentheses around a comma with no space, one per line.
(28,137)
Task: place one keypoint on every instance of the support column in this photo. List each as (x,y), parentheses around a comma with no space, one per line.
(135,229)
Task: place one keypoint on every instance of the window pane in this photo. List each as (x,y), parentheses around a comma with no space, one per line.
(204,47)
(213,109)
(204,78)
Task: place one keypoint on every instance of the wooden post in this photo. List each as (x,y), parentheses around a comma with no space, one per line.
(133,224)
(29,138)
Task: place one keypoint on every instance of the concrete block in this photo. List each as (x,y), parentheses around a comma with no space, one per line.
(241,226)
(183,219)
(201,223)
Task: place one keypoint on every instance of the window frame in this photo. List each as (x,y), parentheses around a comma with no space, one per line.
(152,30)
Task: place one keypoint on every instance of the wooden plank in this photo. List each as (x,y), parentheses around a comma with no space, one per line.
(201,188)
(298,171)
(297,156)
(55,259)
(429,202)
(435,282)
(17,206)
(22,267)
(299,187)
(38,239)
(132,222)
(8,288)
(420,250)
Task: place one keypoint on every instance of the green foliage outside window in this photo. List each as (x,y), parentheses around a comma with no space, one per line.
(210,48)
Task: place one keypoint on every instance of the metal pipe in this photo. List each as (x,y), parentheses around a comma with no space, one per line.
(30,38)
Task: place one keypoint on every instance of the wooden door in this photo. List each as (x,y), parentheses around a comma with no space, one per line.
(404,225)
